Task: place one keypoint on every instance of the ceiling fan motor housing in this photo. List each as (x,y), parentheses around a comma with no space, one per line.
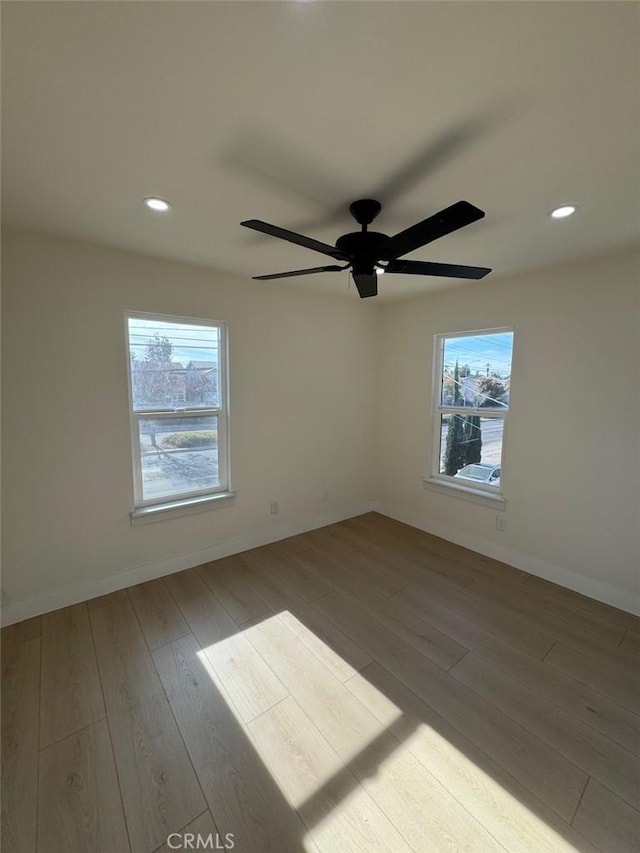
(363,248)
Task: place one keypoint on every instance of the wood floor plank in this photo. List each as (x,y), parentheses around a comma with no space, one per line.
(479,564)
(549,776)
(80,808)
(308,569)
(126,670)
(483,615)
(432,643)
(22,632)
(607,821)
(205,615)
(109,598)
(507,810)
(592,707)
(240,670)
(339,813)
(419,552)
(451,553)
(203,826)
(226,579)
(597,675)
(586,605)
(333,709)
(549,615)
(295,570)
(158,614)
(158,784)
(410,627)
(622,658)
(415,631)
(631,640)
(598,756)
(573,633)
(429,816)
(350,561)
(241,794)
(330,645)
(20,712)
(604,618)
(71,696)
(409,558)
(290,545)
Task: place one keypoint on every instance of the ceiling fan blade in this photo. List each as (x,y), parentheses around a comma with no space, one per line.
(450,219)
(433,156)
(367,284)
(270,158)
(429,268)
(331,268)
(292,237)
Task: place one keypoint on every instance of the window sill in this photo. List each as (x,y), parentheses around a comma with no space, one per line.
(468,493)
(176,509)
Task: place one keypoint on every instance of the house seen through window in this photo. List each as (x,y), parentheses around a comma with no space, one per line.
(473,387)
(177,382)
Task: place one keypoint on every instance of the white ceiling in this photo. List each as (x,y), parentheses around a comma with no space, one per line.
(281,111)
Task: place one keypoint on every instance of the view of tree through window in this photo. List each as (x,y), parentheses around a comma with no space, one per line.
(177,398)
(474,390)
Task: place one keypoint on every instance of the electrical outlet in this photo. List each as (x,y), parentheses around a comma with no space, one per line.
(324,495)
(501,522)
(275,507)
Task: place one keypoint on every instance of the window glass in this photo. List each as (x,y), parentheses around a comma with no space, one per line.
(178,455)
(471,447)
(476,370)
(173,365)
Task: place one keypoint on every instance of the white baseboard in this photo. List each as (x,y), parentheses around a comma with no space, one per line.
(76,593)
(592,588)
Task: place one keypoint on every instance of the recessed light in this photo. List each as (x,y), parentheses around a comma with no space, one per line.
(563,211)
(157,204)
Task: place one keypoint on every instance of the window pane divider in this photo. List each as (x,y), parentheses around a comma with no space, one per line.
(468,410)
(175,413)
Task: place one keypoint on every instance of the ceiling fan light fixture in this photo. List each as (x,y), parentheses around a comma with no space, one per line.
(159,205)
(563,211)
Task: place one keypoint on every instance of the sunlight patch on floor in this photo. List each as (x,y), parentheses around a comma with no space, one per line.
(298,740)
(342,710)
(489,801)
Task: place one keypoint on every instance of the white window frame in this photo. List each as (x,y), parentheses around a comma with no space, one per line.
(484,493)
(197,498)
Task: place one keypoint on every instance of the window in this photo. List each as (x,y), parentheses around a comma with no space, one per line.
(178,406)
(471,406)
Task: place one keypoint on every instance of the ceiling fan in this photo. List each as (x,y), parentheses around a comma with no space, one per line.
(368,252)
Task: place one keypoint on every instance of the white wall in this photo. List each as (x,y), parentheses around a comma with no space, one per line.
(307,371)
(571,466)
(302,416)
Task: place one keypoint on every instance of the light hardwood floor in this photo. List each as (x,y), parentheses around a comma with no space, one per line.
(364,687)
